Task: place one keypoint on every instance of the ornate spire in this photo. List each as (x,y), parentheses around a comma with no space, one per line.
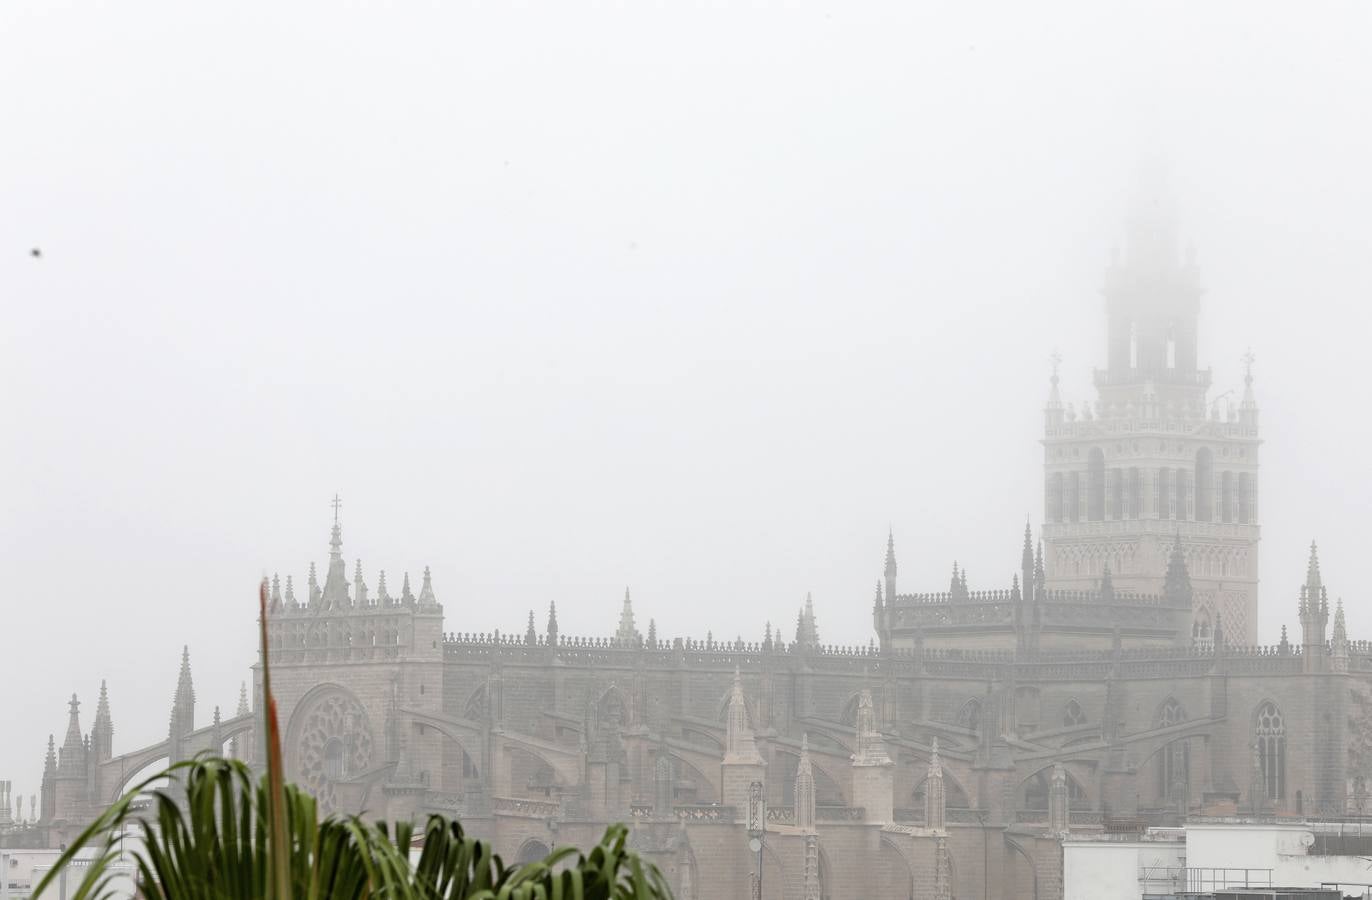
(405,595)
(1040,575)
(1176,584)
(290,600)
(890,554)
(738,737)
(382,597)
(426,590)
(1249,401)
(359,586)
(102,731)
(243,708)
(626,635)
(276,601)
(805,788)
(871,749)
(102,706)
(1054,398)
(935,806)
(1312,573)
(183,703)
(652,633)
(552,623)
(1059,815)
(73,758)
(315,593)
(954,584)
(876,604)
(807,632)
(50,761)
(1026,557)
(335,592)
(1340,628)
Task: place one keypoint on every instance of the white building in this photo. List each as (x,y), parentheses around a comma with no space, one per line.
(1217,854)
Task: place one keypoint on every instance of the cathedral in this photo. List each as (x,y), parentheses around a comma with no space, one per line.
(1114,683)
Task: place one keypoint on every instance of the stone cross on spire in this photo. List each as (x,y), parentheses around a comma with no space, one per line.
(336,503)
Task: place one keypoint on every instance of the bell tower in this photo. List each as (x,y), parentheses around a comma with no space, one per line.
(1153,460)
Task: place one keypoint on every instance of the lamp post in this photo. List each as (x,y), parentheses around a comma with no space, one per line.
(757,826)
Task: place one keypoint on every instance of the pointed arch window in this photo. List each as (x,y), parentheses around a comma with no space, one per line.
(1174,760)
(1055,498)
(1205,485)
(1095,485)
(1270,732)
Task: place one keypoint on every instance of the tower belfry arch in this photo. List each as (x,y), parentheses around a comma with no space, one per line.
(1153,461)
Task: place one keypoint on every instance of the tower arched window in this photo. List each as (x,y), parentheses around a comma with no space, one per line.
(1055,497)
(1183,494)
(969,716)
(1205,485)
(1116,504)
(1174,760)
(1135,494)
(1270,732)
(1245,498)
(1095,485)
(1164,493)
(1074,496)
(1227,497)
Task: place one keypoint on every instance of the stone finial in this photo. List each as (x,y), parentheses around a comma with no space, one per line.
(652,633)
(290,600)
(738,736)
(1312,572)
(552,622)
(359,586)
(1058,811)
(383,598)
(426,589)
(935,802)
(530,635)
(626,635)
(405,594)
(243,708)
(871,749)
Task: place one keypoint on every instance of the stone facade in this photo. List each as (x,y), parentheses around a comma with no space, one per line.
(1103,689)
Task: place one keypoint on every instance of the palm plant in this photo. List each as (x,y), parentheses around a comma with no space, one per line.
(220,833)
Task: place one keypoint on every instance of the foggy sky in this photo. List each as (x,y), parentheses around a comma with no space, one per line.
(564,300)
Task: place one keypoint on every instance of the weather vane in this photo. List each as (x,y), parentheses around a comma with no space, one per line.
(1248,360)
(336,503)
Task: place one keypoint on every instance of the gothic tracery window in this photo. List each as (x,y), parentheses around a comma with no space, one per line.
(1270,732)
